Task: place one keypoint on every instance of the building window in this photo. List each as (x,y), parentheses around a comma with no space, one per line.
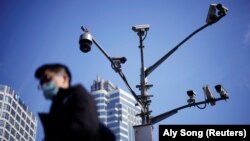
(1,132)
(12,121)
(7,126)
(17,136)
(13,131)
(10,91)
(23,115)
(22,123)
(13,113)
(101,107)
(1,97)
(119,105)
(26,135)
(11,138)
(14,105)
(27,128)
(2,123)
(6,135)
(30,138)
(31,133)
(17,126)
(8,99)
(19,110)
(21,131)
(32,126)
(5,115)
(18,118)
(28,120)
(6,107)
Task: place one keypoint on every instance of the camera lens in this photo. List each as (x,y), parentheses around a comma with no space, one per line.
(85,42)
(85,45)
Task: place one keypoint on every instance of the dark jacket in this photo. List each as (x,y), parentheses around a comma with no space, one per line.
(105,133)
(72,117)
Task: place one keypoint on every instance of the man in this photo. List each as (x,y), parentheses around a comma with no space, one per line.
(72,115)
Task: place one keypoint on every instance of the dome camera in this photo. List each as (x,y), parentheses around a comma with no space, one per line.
(85,42)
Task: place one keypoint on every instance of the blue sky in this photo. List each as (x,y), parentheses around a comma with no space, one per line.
(36,32)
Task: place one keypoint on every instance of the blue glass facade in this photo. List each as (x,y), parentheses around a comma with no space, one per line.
(116,108)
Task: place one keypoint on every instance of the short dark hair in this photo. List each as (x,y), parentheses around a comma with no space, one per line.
(55,67)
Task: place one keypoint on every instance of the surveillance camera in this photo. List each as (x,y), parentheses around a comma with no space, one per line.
(221,91)
(222,9)
(119,59)
(215,12)
(85,42)
(211,16)
(191,95)
(209,95)
(138,28)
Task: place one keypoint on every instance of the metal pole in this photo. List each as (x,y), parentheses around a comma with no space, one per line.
(161,60)
(144,115)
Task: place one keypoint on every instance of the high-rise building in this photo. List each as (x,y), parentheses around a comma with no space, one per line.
(116,109)
(17,123)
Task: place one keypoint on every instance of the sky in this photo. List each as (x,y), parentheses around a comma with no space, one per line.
(36,32)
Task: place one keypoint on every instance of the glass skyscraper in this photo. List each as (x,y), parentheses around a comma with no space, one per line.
(17,123)
(116,109)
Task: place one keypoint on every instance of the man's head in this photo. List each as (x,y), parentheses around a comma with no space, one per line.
(57,74)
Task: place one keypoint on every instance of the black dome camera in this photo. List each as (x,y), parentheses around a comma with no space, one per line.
(85,42)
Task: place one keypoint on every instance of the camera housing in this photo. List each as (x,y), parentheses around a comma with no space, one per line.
(209,96)
(222,9)
(85,42)
(219,88)
(119,59)
(215,12)
(138,28)
(191,95)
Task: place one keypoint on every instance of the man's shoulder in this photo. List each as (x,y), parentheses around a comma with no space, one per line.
(80,94)
(78,87)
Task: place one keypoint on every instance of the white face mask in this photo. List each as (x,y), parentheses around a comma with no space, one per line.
(50,90)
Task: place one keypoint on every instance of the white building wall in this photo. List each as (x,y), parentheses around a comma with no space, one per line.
(16,121)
